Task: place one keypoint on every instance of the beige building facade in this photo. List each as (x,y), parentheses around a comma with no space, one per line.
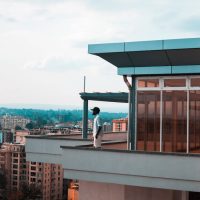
(10,122)
(120,125)
(47,177)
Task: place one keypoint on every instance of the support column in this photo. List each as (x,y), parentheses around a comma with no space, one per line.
(85,119)
(129,120)
(133,114)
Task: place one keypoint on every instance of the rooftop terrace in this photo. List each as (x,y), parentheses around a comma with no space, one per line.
(114,164)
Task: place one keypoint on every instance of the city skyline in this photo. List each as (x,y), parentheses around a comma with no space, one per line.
(44,45)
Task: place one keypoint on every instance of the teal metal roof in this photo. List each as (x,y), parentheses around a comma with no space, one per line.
(176,56)
(120,97)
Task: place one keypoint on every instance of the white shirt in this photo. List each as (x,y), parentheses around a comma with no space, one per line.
(97,123)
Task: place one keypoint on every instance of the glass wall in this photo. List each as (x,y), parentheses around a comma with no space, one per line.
(174,121)
(168,114)
(148,120)
(194,122)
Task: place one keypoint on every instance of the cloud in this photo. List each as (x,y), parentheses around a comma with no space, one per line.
(7,19)
(58,64)
(191,24)
(75,65)
(49,39)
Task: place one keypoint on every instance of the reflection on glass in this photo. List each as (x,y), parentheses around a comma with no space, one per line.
(195,82)
(194,122)
(174,83)
(148,121)
(174,132)
(148,83)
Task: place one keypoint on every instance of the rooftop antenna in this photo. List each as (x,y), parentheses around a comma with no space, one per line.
(84,84)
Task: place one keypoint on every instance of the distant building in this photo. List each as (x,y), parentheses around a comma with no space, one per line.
(90,124)
(8,135)
(5,163)
(48,177)
(13,165)
(73,193)
(18,171)
(120,125)
(64,125)
(20,136)
(107,127)
(10,122)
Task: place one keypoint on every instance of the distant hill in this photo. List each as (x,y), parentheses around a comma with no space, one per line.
(44,117)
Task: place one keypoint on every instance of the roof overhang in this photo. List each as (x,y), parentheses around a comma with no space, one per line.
(120,97)
(176,56)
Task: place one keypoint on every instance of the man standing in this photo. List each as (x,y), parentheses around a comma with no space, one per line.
(97,128)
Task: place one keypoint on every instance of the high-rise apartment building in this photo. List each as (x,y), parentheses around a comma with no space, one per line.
(18,167)
(10,122)
(7,135)
(48,177)
(18,172)
(13,165)
(5,163)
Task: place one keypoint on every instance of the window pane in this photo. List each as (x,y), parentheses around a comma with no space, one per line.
(148,83)
(174,83)
(174,121)
(195,82)
(194,122)
(148,121)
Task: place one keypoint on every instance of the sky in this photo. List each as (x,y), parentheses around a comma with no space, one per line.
(44,45)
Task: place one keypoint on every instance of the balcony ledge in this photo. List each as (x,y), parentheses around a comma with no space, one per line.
(177,171)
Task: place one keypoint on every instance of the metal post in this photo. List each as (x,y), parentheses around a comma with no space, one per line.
(85,119)
(84,84)
(133,114)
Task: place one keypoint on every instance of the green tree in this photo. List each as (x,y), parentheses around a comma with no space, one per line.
(31,191)
(18,127)
(2,180)
(30,125)
(40,121)
(3,183)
